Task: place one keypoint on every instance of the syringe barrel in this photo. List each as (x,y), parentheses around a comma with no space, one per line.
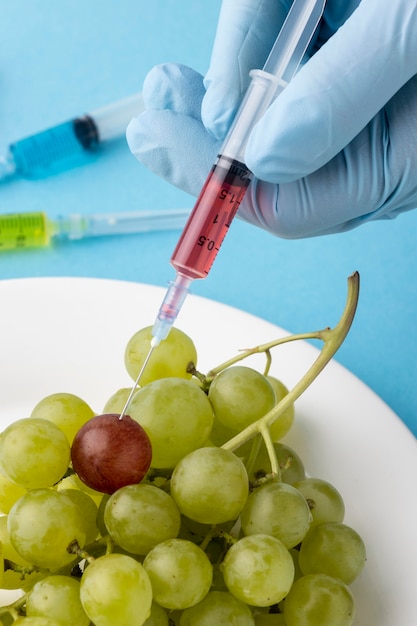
(211,217)
(263,89)
(24,230)
(111,121)
(57,148)
(54,149)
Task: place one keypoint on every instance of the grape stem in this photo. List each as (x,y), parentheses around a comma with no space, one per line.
(20,569)
(253,455)
(332,340)
(75,548)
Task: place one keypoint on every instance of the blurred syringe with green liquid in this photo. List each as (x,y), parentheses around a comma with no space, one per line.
(37,230)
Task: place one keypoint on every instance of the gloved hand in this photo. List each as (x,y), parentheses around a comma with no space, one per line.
(337,148)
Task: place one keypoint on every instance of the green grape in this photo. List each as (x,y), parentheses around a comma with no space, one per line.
(217,608)
(100,515)
(1,566)
(138,517)
(158,616)
(279,510)
(34,453)
(57,597)
(176,415)
(220,434)
(174,618)
(180,573)
(284,422)
(295,553)
(197,533)
(333,549)
(116,402)
(36,621)
(240,395)
(9,493)
(67,411)
(170,358)
(14,579)
(319,600)
(218,583)
(6,620)
(201,529)
(210,485)
(290,464)
(326,503)
(115,589)
(88,511)
(270,619)
(42,524)
(73,482)
(258,570)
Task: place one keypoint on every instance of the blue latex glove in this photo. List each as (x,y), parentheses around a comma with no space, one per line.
(339,145)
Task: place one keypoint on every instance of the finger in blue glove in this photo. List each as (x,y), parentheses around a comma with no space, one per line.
(169,137)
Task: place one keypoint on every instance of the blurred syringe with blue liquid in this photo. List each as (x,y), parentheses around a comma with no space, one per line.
(37,230)
(70,143)
(229,179)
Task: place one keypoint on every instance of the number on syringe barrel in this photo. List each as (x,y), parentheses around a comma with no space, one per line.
(211,217)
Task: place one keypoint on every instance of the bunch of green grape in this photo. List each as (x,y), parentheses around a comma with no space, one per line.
(216,532)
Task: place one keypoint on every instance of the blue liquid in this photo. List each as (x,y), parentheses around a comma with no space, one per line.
(55,149)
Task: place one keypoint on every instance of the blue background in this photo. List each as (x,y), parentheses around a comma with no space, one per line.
(60,59)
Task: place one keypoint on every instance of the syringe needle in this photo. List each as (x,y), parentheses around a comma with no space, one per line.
(167,315)
(137,381)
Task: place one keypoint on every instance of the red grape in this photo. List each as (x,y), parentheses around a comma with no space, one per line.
(108,452)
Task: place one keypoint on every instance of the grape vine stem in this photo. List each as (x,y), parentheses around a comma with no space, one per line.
(332,340)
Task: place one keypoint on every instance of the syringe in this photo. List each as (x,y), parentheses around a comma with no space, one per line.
(229,178)
(59,147)
(37,230)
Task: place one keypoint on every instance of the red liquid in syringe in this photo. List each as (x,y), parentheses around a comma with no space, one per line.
(211,217)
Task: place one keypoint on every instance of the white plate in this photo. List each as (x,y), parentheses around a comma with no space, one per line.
(69,334)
